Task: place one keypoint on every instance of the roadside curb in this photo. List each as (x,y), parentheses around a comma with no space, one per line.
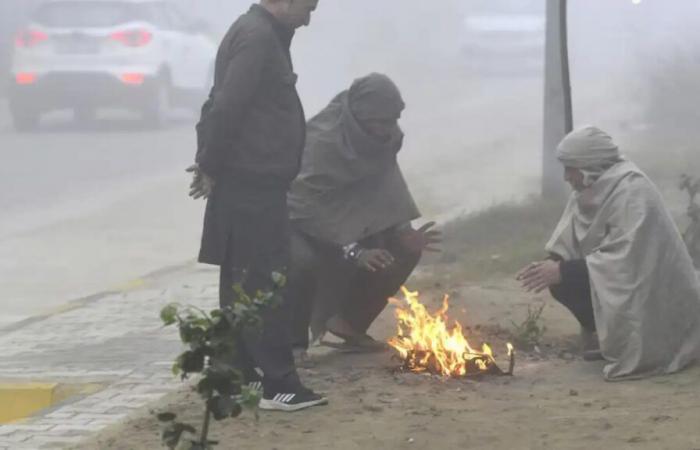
(83,302)
(102,357)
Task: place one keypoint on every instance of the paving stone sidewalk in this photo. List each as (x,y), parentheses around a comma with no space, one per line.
(114,339)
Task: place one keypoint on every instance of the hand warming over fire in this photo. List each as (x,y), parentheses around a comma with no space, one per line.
(422,239)
(540,275)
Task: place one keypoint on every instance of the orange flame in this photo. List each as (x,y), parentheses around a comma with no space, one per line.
(426,344)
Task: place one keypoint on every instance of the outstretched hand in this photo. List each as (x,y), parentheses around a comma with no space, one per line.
(202,184)
(422,239)
(540,275)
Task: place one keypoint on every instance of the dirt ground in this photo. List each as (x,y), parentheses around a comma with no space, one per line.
(554,401)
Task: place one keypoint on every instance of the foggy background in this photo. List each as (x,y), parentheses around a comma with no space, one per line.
(87,210)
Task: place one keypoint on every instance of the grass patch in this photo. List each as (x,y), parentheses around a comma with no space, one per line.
(496,241)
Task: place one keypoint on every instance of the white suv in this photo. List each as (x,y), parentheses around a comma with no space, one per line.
(85,54)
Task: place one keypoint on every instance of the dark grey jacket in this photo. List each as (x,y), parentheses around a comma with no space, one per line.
(251,135)
(253,125)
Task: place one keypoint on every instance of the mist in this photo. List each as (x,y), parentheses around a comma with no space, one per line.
(113,194)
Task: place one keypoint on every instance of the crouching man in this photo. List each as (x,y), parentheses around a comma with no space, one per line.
(619,265)
(353,245)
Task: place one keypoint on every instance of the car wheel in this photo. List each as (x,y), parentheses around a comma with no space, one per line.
(24,119)
(158,106)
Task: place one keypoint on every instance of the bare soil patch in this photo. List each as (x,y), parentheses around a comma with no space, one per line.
(555,400)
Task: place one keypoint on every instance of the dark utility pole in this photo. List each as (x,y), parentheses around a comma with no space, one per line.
(558,116)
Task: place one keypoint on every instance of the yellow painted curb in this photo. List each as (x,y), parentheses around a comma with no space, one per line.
(21,400)
(131,285)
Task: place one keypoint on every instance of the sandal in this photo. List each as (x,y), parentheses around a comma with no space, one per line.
(358,343)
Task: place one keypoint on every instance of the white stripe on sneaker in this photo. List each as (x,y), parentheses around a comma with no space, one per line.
(281,402)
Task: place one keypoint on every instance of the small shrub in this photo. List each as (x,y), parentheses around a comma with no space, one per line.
(528,334)
(211,339)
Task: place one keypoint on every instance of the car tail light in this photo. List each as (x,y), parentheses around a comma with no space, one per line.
(25,78)
(30,38)
(133,38)
(133,78)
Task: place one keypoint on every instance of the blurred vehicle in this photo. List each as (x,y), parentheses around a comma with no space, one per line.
(141,55)
(504,37)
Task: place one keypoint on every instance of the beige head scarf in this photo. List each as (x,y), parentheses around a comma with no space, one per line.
(590,150)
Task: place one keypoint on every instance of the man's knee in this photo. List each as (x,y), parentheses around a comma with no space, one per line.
(557,292)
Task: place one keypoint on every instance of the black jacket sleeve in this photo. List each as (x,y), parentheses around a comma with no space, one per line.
(241,68)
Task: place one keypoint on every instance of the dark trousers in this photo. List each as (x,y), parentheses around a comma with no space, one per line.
(322,284)
(574,292)
(257,246)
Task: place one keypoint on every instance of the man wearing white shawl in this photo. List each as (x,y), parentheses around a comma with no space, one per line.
(619,264)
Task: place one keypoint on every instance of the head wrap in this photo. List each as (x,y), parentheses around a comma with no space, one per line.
(375,97)
(590,150)
(350,185)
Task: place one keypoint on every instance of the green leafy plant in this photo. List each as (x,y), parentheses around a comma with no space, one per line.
(212,338)
(528,334)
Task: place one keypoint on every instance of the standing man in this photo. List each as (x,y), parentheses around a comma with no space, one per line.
(250,140)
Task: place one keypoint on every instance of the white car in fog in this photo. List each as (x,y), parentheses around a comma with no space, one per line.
(141,55)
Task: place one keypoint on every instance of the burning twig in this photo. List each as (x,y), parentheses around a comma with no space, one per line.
(511,363)
(425,344)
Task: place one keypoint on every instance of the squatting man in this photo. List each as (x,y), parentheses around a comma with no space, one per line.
(353,245)
(618,263)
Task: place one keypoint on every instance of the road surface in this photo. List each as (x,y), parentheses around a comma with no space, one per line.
(88,210)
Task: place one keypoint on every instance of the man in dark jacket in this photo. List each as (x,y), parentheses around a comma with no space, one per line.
(250,140)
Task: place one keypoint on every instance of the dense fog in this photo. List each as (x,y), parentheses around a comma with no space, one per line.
(91,204)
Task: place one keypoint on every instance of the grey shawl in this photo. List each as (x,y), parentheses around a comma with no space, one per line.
(645,292)
(350,185)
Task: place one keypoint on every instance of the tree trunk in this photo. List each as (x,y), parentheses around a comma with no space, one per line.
(558,115)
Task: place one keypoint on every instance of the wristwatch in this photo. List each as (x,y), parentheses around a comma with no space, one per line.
(351,252)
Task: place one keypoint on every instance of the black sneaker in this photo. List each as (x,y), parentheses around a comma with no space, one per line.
(255,385)
(253,380)
(301,398)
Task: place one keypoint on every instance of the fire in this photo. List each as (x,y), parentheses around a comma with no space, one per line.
(425,343)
